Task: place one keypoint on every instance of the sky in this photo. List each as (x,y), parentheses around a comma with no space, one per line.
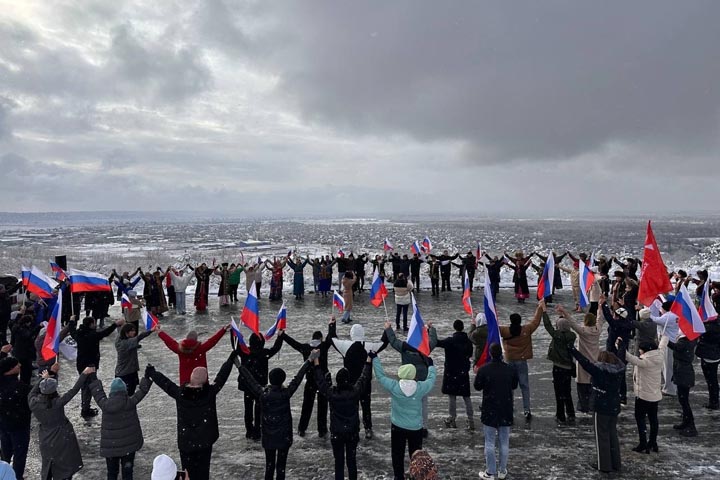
(374,107)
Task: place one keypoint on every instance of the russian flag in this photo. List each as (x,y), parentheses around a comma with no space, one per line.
(39,283)
(25,275)
(706,309)
(340,253)
(280,323)
(467,303)
(545,284)
(250,315)
(415,247)
(418,336)
(51,343)
(125,302)
(81,281)
(60,275)
(427,244)
(387,246)
(689,319)
(338,301)
(492,323)
(587,278)
(378,291)
(149,320)
(239,337)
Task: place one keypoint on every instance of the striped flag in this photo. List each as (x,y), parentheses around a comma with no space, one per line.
(51,343)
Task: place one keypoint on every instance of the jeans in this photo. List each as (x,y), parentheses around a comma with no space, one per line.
(650,409)
(399,437)
(710,372)
(14,445)
(562,381)
(521,368)
(180,302)
(114,465)
(404,310)
(344,447)
(275,461)
(309,395)
(683,394)
(197,463)
(452,407)
(491,435)
(346,316)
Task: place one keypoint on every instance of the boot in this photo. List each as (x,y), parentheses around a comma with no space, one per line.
(652,445)
(681,425)
(450,422)
(689,431)
(471,424)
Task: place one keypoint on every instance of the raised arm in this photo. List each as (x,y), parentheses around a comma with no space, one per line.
(224,372)
(300,347)
(295,382)
(587,365)
(167,385)
(169,341)
(270,352)
(249,383)
(67,396)
(212,341)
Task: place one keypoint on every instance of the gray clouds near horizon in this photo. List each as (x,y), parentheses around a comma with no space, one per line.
(296,107)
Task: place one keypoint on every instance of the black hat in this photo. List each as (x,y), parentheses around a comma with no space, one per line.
(276,376)
(342,377)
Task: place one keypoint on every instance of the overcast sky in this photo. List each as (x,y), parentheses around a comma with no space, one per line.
(369,107)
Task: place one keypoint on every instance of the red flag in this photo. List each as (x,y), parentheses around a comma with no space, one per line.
(654,278)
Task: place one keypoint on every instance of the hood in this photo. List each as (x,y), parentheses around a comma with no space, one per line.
(188,345)
(357,333)
(408,387)
(611,368)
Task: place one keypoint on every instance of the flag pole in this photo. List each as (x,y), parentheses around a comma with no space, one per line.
(387,319)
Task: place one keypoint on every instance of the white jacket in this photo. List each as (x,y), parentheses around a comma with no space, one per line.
(648,371)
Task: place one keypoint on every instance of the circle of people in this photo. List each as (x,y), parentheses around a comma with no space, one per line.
(646,337)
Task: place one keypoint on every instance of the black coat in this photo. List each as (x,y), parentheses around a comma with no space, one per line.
(617,328)
(497,380)
(708,347)
(23,340)
(343,402)
(14,409)
(257,360)
(606,382)
(683,356)
(197,423)
(458,350)
(277,427)
(305,349)
(88,345)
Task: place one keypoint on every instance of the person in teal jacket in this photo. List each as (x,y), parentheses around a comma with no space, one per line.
(405,409)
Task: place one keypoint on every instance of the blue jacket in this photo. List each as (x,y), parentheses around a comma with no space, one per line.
(406,404)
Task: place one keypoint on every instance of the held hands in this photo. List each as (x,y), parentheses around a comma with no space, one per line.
(332,320)
(149,371)
(542,306)
(315,356)
(372,355)
(88,370)
(6,348)
(227,327)
(618,343)
(387,325)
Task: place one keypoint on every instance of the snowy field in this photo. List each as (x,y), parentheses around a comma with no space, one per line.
(538,449)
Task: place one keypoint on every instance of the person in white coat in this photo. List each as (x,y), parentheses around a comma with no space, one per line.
(667,323)
(180,281)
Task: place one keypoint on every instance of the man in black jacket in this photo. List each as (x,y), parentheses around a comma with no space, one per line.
(445,269)
(415,264)
(88,340)
(6,309)
(311,387)
(497,380)
(14,416)
(257,363)
(344,417)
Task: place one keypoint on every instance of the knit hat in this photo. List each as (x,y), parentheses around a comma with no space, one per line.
(276,376)
(117,385)
(6,471)
(7,364)
(342,377)
(198,377)
(407,372)
(644,314)
(422,466)
(48,386)
(164,468)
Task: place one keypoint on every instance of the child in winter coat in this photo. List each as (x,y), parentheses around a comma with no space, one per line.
(277,429)
(405,409)
(344,419)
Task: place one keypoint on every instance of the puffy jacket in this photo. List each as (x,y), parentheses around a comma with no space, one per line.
(496,380)
(683,357)
(606,381)
(14,409)
(402,294)
(408,354)
(23,340)
(520,347)
(127,353)
(343,402)
(191,353)
(120,431)
(648,372)
(407,395)
(88,345)
(708,347)
(561,340)
(277,427)
(197,424)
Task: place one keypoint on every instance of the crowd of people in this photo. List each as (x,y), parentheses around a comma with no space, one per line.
(644,337)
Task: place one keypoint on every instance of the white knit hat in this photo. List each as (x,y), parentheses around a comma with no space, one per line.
(164,468)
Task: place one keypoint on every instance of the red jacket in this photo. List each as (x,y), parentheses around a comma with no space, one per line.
(191,352)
